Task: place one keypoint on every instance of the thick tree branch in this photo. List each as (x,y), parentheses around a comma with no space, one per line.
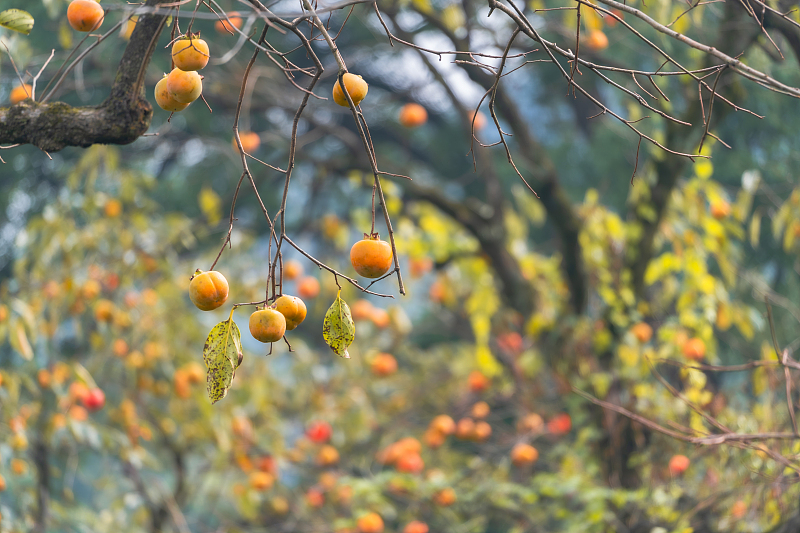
(121,119)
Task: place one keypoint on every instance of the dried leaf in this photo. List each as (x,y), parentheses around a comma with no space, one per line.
(16,20)
(222,355)
(338,329)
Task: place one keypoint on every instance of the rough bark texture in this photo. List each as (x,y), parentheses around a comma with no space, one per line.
(121,119)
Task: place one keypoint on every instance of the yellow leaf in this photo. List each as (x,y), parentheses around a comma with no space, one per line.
(486,361)
(65,35)
(338,328)
(222,355)
(210,205)
(19,340)
(16,20)
(703,169)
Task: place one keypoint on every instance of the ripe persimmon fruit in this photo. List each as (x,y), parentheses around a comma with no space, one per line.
(370,523)
(383,365)
(184,87)
(356,87)
(694,349)
(642,331)
(524,454)
(20,93)
(292,269)
(720,209)
(267,325)
(371,257)
(250,141)
(85,15)
(412,115)
(208,290)
(224,26)
(308,287)
(292,308)
(165,100)
(416,526)
(190,53)
(597,41)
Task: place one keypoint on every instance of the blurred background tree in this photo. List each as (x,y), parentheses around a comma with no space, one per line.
(614,354)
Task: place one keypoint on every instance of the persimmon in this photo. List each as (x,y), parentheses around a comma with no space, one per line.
(408,445)
(678,464)
(465,429)
(319,431)
(530,423)
(85,15)
(78,391)
(477,381)
(44,378)
(104,311)
(91,289)
(642,331)
(383,365)
(356,87)
(165,100)
(120,347)
(327,456)
(95,399)
(560,424)
(694,349)
(720,209)
(611,21)
(195,373)
(2,483)
(433,439)
(113,208)
(597,41)
(250,141)
(477,119)
(208,290)
(184,87)
(371,257)
(482,431)
(308,287)
(411,463)
(18,466)
(261,481)
(445,497)
(444,424)
(224,26)
(190,53)
(419,266)
(267,325)
(327,480)
(412,115)
(738,509)
(361,310)
(480,410)
(78,413)
(370,523)
(315,498)
(292,308)
(380,317)
(524,454)
(510,342)
(280,505)
(416,526)
(20,93)
(292,269)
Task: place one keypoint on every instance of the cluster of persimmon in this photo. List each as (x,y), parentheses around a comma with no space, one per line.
(183,85)
(209,290)
(693,348)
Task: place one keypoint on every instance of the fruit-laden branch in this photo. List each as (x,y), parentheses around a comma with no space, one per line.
(121,119)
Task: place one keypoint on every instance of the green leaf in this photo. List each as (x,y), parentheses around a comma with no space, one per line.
(222,355)
(338,329)
(16,20)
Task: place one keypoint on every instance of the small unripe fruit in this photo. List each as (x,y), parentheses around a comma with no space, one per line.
(267,325)
(184,87)
(356,88)
(208,290)
(190,54)
(85,15)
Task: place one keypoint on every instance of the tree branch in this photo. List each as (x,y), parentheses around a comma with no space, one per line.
(121,119)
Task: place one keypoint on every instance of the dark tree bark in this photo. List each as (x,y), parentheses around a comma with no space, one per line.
(121,119)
